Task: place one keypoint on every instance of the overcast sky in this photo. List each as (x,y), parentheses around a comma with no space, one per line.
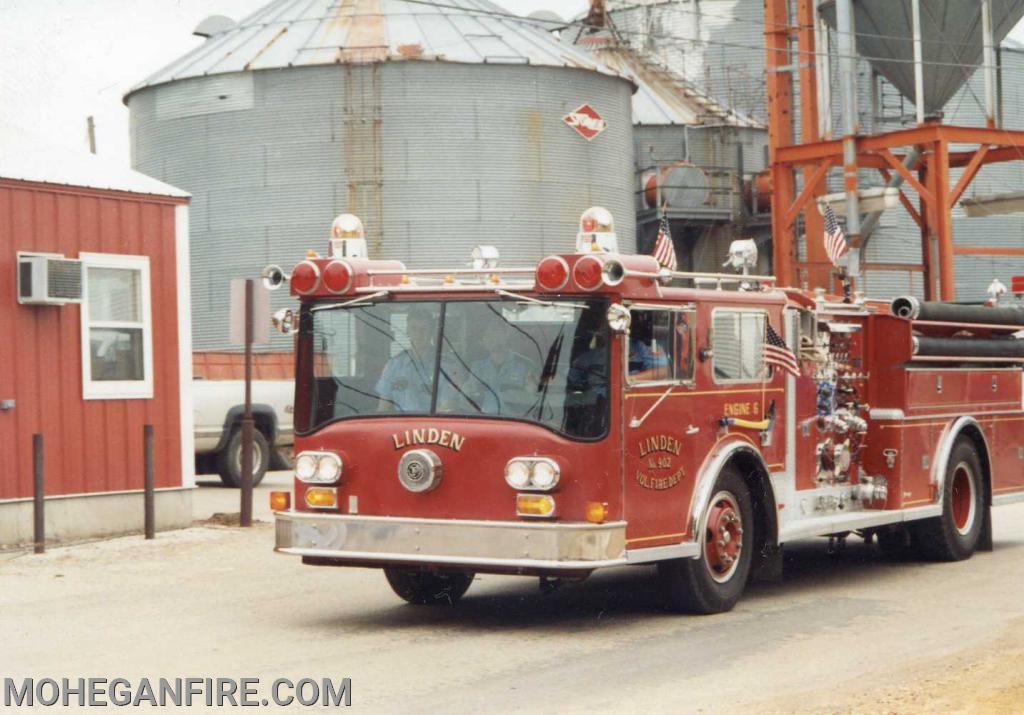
(62,60)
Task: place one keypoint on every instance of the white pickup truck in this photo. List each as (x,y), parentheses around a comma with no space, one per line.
(218,406)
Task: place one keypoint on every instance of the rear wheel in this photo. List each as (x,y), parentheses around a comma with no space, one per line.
(429,588)
(954,535)
(714,582)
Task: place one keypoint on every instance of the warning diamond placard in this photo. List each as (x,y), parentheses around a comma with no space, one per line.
(585,120)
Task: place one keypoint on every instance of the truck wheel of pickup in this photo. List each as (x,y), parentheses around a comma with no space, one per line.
(714,582)
(229,459)
(954,535)
(429,588)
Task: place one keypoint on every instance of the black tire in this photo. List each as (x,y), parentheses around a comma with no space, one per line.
(429,588)
(711,584)
(229,459)
(954,536)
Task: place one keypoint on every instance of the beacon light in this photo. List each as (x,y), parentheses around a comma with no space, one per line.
(552,273)
(305,277)
(588,273)
(597,232)
(337,276)
(348,238)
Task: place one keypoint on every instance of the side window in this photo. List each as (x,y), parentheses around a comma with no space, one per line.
(116,328)
(660,346)
(737,346)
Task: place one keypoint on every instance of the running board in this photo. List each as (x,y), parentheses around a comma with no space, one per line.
(835,523)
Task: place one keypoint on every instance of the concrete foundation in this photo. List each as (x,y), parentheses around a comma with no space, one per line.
(90,516)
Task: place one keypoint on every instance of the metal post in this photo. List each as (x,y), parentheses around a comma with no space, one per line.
(851,127)
(915,9)
(149,503)
(824,59)
(38,520)
(245,518)
(989,63)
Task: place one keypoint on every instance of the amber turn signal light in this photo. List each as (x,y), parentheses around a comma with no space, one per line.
(596,512)
(535,505)
(322,498)
(280,501)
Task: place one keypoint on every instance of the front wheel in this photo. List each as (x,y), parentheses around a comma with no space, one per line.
(954,536)
(714,582)
(229,459)
(429,588)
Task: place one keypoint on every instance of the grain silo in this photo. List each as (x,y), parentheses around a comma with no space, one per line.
(442,126)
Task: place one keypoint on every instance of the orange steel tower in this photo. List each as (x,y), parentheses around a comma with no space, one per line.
(924,157)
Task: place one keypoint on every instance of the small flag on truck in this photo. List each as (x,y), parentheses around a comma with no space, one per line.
(835,241)
(776,352)
(664,251)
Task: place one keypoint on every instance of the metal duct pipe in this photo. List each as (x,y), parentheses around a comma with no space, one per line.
(871,221)
(910,307)
(968,347)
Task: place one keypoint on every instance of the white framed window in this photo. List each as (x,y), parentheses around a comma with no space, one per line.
(737,339)
(117,327)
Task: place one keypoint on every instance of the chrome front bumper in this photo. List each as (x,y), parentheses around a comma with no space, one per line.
(483,545)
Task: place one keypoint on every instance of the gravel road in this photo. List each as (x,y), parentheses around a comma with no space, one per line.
(847,633)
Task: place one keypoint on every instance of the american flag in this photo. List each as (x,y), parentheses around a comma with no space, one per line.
(776,352)
(835,241)
(664,251)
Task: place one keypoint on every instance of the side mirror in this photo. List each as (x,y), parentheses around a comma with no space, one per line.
(284,321)
(273,277)
(619,318)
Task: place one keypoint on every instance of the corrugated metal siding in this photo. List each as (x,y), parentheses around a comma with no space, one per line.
(96,445)
(717,44)
(435,158)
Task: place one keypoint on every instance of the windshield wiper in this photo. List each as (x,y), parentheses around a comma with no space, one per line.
(347,303)
(536,301)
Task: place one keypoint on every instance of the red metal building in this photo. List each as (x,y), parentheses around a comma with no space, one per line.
(93,347)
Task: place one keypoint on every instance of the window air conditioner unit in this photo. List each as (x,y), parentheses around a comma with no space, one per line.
(48,279)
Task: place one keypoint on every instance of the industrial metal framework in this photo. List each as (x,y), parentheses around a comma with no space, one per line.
(921,156)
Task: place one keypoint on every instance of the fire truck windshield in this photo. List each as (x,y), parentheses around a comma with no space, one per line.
(545,363)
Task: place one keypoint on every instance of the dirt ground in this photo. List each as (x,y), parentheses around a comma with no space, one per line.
(853,633)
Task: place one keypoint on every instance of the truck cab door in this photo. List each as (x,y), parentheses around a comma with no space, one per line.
(660,440)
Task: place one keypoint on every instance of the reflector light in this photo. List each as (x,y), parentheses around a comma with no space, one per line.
(305,277)
(542,505)
(322,498)
(280,501)
(596,512)
(337,277)
(552,273)
(1017,284)
(587,273)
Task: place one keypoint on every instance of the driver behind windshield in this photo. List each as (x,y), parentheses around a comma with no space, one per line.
(504,379)
(406,384)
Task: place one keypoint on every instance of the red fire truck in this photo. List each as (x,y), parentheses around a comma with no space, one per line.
(598,410)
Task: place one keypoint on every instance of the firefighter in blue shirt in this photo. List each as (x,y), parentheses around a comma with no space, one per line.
(505,381)
(407,382)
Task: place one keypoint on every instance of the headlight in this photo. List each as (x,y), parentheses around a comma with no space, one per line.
(329,468)
(539,473)
(323,467)
(545,475)
(517,474)
(305,466)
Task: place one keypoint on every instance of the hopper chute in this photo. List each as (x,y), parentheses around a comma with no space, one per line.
(952,45)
